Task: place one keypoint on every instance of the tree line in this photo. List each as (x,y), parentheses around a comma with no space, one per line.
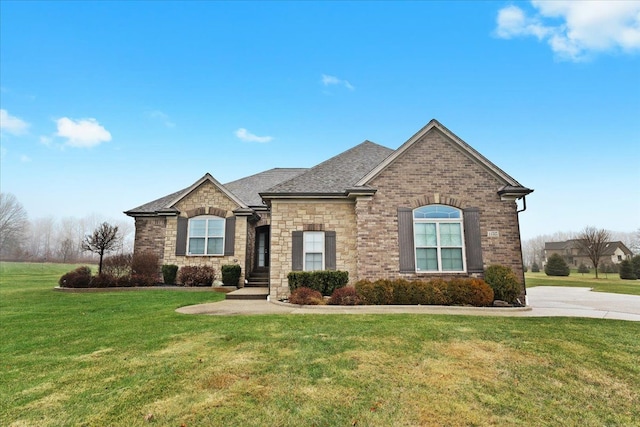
(53,239)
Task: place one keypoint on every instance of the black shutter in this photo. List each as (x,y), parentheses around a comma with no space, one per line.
(296,251)
(472,240)
(229,235)
(329,250)
(405,240)
(181,236)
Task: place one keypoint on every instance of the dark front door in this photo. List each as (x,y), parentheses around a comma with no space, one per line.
(262,247)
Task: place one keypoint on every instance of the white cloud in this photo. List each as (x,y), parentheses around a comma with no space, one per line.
(163,117)
(576,29)
(82,133)
(12,124)
(246,136)
(328,80)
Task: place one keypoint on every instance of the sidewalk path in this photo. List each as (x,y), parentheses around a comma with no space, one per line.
(543,301)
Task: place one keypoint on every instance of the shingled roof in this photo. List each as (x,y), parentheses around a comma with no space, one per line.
(336,175)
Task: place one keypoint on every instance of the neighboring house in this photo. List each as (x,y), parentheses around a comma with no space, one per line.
(434,207)
(574,254)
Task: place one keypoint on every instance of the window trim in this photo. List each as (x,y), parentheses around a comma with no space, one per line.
(205,236)
(305,252)
(439,247)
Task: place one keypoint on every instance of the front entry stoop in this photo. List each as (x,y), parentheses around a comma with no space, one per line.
(252,293)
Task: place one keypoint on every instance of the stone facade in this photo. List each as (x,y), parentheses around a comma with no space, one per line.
(294,215)
(456,180)
(150,236)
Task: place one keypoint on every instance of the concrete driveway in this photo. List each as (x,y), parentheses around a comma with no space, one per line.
(543,301)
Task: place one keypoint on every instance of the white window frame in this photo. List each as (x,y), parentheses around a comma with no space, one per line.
(206,218)
(306,250)
(439,247)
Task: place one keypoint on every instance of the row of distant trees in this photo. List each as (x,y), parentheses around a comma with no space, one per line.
(52,239)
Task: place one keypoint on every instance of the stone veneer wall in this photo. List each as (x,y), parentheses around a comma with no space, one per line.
(292,215)
(150,236)
(205,196)
(432,170)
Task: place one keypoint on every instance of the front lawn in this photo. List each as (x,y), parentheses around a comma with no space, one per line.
(113,358)
(611,282)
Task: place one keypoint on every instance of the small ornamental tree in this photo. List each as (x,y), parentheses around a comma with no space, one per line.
(556,266)
(626,270)
(103,239)
(535,268)
(583,268)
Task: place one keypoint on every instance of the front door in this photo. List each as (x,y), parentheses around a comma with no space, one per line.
(262,247)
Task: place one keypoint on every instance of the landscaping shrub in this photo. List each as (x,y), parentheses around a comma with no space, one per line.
(145,267)
(379,292)
(469,291)
(306,296)
(556,266)
(169,274)
(535,268)
(103,281)
(345,296)
(231,274)
(78,278)
(117,265)
(626,270)
(504,283)
(196,276)
(325,281)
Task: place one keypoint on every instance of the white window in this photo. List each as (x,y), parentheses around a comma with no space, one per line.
(206,235)
(438,237)
(313,250)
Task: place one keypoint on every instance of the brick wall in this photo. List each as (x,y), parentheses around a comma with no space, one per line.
(289,216)
(150,236)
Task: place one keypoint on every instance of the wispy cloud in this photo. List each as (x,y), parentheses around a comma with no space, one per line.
(12,124)
(328,80)
(246,136)
(584,27)
(82,133)
(162,117)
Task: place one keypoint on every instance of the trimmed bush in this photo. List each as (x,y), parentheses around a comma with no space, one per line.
(169,274)
(345,296)
(231,274)
(196,276)
(145,267)
(474,292)
(306,296)
(556,266)
(535,268)
(324,281)
(504,283)
(380,292)
(78,278)
(103,281)
(626,270)
(117,265)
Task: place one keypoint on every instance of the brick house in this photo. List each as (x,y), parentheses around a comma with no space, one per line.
(574,254)
(434,207)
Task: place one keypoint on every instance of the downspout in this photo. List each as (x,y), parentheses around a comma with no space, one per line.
(524,204)
(524,285)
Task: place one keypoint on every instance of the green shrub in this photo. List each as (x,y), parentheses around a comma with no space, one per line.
(626,270)
(535,268)
(504,283)
(169,274)
(325,281)
(556,266)
(635,263)
(231,274)
(345,296)
(78,278)
(306,296)
(196,276)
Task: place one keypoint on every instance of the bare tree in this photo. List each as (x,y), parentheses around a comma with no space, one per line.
(104,239)
(594,242)
(13,222)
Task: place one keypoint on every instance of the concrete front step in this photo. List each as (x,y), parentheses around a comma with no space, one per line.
(249,293)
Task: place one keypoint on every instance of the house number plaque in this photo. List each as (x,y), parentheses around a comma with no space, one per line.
(493,233)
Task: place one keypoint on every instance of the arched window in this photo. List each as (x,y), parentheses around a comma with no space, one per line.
(206,235)
(438,238)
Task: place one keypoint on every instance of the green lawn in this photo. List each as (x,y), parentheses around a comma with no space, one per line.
(610,282)
(110,359)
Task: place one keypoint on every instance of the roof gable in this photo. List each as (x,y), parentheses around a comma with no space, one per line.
(208,178)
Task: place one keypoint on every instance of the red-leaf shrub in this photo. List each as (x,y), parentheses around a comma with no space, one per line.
(306,296)
(345,296)
(103,281)
(117,265)
(145,268)
(78,278)
(469,291)
(196,276)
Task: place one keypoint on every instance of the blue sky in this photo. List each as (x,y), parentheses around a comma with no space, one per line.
(108,105)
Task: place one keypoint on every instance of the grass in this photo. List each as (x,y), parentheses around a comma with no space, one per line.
(611,282)
(113,358)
